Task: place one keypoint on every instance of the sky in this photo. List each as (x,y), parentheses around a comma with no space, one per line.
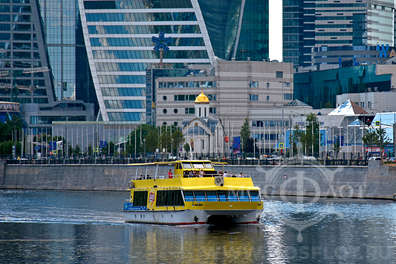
(275,30)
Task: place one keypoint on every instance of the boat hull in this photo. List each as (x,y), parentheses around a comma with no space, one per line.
(193,217)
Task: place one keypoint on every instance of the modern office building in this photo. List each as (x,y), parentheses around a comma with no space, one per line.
(320,88)
(293,31)
(66,51)
(24,67)
(119,41)
(352,55)
(310,24)
(35,56)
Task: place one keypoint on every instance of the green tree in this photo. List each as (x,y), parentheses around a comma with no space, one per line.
(309,138)
(245,134)
(177,140)
(376,137)
(166,139)
(186,147)
(10,128)
(140,137)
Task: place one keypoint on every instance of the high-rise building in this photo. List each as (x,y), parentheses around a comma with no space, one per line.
(332,23)
(35,56)
(293,31)
(66,50)
(24,68)
(118,37)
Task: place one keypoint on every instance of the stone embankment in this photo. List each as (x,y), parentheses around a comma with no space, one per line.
(375,181)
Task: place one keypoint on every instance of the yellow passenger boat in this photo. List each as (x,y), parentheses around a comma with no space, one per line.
(193,193)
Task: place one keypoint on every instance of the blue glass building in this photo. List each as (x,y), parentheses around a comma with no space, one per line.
(24,68)
(309,24)
(118,38)
(66,50)
(320,88)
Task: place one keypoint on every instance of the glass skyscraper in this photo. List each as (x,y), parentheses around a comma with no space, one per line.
(309,24)
(66,49)
(118,38)
(24,69)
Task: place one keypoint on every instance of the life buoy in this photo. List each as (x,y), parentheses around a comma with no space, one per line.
(219,180)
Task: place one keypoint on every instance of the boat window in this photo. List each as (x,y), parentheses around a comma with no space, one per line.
(140,198)
(232,196)
(243,196)
(169,198)
(198,165)
(254,195)
(199,196)
(211,196)
(188,196)
(186,165)
(222,195)
(208,166)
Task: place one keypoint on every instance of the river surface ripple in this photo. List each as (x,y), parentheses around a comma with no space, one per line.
(88,227)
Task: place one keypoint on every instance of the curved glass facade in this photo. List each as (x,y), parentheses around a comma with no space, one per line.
(118,38)
(236,24)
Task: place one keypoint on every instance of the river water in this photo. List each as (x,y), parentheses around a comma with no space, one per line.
(88,227)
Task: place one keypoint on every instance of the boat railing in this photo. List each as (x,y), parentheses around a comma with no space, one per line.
(148,177)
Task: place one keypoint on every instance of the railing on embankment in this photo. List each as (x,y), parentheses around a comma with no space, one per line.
(373,181)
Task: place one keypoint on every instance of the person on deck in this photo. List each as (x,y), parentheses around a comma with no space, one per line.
(170,175)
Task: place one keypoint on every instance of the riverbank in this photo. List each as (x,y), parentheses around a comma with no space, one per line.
(376,181)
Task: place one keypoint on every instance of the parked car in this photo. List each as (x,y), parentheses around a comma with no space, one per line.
(309,158)
(375,158)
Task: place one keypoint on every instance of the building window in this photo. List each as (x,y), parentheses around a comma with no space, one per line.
(287,96)
(268,85)
(268,98)
(212,110)
(175,123)
(164,98)
(164,111)
(369,104)
(253,97)
(279,74)
(175,111)
(253,84)
(189,111)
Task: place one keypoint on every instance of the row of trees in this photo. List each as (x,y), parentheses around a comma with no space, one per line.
(144,139)
(150,139)
(9,132)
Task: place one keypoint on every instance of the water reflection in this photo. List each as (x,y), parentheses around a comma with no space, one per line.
(70,227)
(194,245)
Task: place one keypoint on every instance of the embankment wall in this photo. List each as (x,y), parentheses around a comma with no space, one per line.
(375,181)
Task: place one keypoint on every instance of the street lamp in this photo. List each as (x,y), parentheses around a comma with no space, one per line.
(144,147)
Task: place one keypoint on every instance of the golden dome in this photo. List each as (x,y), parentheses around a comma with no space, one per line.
(202,99)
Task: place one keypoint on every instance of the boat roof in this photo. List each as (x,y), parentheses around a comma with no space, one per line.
(176,161)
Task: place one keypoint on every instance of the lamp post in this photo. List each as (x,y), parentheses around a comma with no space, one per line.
(144,147)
